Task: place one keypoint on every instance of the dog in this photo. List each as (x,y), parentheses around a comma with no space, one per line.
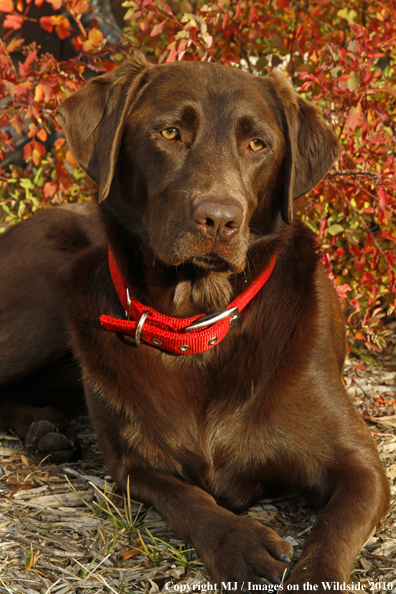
(210,341)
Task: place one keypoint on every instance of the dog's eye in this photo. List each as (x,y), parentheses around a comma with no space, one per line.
(170,133)
(256,145)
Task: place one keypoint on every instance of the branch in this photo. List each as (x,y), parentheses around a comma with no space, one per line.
(353,173)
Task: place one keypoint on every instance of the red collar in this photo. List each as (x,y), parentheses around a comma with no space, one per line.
(180,336)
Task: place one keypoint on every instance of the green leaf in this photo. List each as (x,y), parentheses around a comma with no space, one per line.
(353,82)
(21,209)
(38,176)
(312,226)
(182,34)
(335,229)
(26,184)
(348,15)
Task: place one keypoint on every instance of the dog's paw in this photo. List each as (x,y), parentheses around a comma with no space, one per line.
(248,554)
(46,441)
(319,574)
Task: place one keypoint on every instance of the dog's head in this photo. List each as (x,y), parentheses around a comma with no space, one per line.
(197,160)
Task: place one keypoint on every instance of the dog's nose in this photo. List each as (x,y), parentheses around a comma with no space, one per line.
(220,220)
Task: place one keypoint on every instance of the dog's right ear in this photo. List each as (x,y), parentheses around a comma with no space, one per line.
(93,119)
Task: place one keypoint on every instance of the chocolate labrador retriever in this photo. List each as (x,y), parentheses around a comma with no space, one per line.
(210,340)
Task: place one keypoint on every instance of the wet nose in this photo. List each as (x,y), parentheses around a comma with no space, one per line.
(221,220)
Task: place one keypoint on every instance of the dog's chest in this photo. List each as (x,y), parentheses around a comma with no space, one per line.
(194,426)
(194,418)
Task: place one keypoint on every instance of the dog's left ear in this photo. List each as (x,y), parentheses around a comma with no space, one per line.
(93,119)
(311,145)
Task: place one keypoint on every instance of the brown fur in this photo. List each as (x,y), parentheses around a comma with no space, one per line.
(201,436)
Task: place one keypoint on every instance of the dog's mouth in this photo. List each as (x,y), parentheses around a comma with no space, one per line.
(211,261)
(217,257)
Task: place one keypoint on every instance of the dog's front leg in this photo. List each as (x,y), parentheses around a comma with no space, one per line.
(233,548)
(359,499)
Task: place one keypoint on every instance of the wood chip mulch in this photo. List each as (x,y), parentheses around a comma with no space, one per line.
(59,534)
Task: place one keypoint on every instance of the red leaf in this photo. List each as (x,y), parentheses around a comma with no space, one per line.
(225,20)
(374,261)
(230,57)
(42,135)
(253,15)
(143,24)
(164,6)
(355,118)
(25,67)
(359,266)
(95,38)
(70,159)
(367,279)
(13,21)
(342,291)
(172,52)
(46,24)
(77,42)
(282,4)
(315,11)
(6,6)
(27,151)
(56,4)
(306,85)
(302,42)
(62,32)
(37,146)
(338,252)
(382,197)
(80,6)
(157,29)
(49,189)
(387,235)
(239,11)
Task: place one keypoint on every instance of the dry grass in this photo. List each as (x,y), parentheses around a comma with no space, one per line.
(64,531)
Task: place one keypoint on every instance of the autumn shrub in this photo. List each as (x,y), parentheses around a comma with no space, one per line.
(341,58)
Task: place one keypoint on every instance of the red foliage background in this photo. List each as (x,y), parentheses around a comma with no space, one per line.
(341,58)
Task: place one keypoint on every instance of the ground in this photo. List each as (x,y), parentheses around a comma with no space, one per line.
(64,531)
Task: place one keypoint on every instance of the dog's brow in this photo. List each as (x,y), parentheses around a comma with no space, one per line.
(179,114)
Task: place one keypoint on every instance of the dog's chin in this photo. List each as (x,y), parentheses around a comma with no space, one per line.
(203,284)
(213,262)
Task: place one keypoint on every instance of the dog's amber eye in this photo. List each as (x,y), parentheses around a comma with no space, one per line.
(256,145)
(170,133)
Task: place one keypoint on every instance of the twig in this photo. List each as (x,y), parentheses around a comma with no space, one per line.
(378,557)
(352,173)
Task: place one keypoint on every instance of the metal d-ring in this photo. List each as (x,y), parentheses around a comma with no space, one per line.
(139,328)
(213,318)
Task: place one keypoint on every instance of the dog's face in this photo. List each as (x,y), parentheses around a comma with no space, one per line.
(205,144)
(200,161)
